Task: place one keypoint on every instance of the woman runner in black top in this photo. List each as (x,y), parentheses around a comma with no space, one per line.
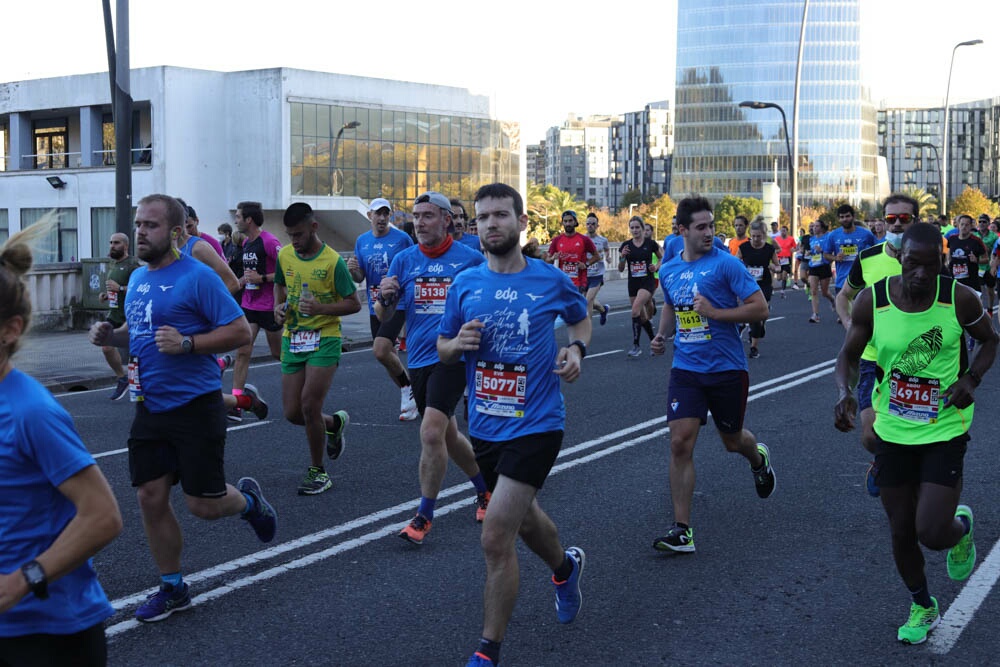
(760,259)
(638,255)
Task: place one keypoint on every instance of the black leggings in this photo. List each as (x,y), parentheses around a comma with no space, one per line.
(87,648)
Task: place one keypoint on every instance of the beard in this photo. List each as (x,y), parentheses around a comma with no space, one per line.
(116,254)
(502,246)
(152,253)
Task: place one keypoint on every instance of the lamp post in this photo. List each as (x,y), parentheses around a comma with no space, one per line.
(788,148)
(334,181)
(944,138)
(937,156)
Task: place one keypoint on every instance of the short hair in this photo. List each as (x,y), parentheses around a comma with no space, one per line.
(501,191)
(634,218)
(226,228)
(688,206)
(176,211)
(743,218)
(900,198)
(758,226)
(940,217)
(845,209)
(592,215)
(965,215)
(297,213)
(457,202)
(252,210)
(922,232)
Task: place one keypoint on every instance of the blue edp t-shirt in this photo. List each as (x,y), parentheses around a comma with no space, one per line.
(190,297)
(374,254)
(513,390)
(850,244)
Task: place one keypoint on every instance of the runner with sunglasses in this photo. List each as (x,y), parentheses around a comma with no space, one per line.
(874,264)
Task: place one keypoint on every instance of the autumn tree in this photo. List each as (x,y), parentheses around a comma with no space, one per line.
(729,207)
(972,202)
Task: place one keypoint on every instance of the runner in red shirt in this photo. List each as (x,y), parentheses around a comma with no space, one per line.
(575,252)
(786,247)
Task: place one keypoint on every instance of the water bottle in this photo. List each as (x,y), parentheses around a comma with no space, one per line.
(304,294)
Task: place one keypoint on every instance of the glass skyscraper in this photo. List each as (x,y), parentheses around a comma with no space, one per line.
(730,51)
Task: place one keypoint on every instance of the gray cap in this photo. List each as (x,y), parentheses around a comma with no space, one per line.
(435,198)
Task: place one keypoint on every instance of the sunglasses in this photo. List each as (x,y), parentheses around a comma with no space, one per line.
(904,218)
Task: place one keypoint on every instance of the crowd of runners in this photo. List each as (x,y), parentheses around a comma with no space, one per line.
(463,299)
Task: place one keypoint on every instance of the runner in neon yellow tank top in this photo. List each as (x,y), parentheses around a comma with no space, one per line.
(923,410)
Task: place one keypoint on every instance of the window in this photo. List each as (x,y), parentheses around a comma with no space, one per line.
(51,144)
(4,226)
(61,243)
(102,226)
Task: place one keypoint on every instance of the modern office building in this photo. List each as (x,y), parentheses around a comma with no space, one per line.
(577,158)
(641,148)
(731,51)
(216,138)
(534,163)
(910,140)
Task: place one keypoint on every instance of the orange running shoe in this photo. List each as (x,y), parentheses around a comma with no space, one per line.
(416,530)
(482,501)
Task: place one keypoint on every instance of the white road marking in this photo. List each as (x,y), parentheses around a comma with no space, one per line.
(964,607)
(124,450)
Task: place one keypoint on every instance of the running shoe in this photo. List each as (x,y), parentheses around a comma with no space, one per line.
(569,598)
(922,620)
(407,406)
(634,352)
(335,440)
(257,405)
(782,294)
(121,388)
(263,519)
(962,556)
(164,602)
(763,478)
(754,353)
(870,484)
(814,319)
(416,530)
(795,286)
(741,330)
(677,539)
(235,415)
(226,362)
(604,314)
(315,482)
(482,501)
(479,660)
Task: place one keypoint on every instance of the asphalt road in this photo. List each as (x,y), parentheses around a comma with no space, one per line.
(805,577)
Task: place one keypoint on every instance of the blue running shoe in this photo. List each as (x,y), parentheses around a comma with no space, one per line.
(263,519)
(870,484)
(479,660)
(161,604)
(604,314)
(569,598)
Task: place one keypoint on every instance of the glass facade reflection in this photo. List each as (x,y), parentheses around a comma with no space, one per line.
(730,51)
(397,154)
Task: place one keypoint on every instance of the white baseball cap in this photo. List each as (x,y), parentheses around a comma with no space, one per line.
(378,203)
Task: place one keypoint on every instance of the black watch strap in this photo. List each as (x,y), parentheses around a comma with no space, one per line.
(34,574)
(580,344)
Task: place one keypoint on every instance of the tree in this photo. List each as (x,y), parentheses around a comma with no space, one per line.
(544,207)
(972,202)
(928,203)
(633,196)
(729,207)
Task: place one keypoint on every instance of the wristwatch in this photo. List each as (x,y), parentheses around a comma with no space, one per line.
(188,344)
(37,581)
(582,347)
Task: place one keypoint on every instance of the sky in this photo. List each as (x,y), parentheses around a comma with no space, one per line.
(537,61)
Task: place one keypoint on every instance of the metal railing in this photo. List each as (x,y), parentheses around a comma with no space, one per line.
(53,161)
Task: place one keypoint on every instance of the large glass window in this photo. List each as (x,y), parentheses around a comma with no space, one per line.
(51,144)
(102,226)
(61,244)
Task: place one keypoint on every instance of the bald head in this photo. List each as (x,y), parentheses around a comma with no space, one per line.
(118,249)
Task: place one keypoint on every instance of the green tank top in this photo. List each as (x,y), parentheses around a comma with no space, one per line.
(876,264)
(919,356)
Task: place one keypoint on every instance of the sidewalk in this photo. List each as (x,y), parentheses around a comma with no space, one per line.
(66,361)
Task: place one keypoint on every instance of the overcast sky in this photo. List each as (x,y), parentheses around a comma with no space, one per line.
(538,61)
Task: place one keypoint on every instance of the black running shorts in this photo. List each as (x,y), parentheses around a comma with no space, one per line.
(439,386)
(527,459)
(934,463)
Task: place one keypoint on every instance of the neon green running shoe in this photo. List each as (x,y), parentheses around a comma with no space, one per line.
(962,556)
(922,621)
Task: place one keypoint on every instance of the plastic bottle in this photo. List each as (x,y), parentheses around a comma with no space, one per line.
(305,294)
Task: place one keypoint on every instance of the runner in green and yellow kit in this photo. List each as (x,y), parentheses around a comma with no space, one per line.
(923,403)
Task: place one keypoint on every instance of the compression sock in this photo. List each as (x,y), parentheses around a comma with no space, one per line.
(479,483)
(636,329)
(489,649)
(427,507)
(402,380)
(922,596)
(648,328)
(243,401)
(174,579)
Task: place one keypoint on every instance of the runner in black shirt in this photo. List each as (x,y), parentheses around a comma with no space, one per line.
(965,251)
(760,259)
(638,255)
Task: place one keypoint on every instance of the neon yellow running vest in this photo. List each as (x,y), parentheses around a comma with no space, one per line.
(919,356)
(876,264)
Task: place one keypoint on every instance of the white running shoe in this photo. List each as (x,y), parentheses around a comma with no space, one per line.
(407,406)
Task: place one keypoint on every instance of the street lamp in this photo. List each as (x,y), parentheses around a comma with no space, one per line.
(788,148)
(937,156)
(947,94)
(335,185)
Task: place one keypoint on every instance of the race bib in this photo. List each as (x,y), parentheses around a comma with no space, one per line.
(637,269)
(500,388)
(303,341)
(757,272)
(849,251)
(134,385)
(816,259)
(113,299)
(914,398)
(373,294)
(692,327)
(570,268)
(959,271)
(429,295)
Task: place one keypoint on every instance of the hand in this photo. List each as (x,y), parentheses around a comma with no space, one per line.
(843,413)
(352,264)
(252,277)
(279,313)
(568,363)
(13,587)
(100,333)
(470,335)
(626,250)
(959,394)
(168,340)
(659,344)
(111,285)
(308,306)
(703,306)
(103,296)
(388,289)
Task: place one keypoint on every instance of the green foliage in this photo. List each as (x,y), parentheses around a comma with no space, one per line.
(928,202)
(544,207)
(729,207)
(972,202)
(633,196)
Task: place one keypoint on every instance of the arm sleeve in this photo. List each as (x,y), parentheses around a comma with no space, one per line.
(51,440)
(342,280)
(215,301)
(856,278)
(279,273)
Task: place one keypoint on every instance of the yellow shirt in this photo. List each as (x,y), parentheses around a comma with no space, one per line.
(328,279)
